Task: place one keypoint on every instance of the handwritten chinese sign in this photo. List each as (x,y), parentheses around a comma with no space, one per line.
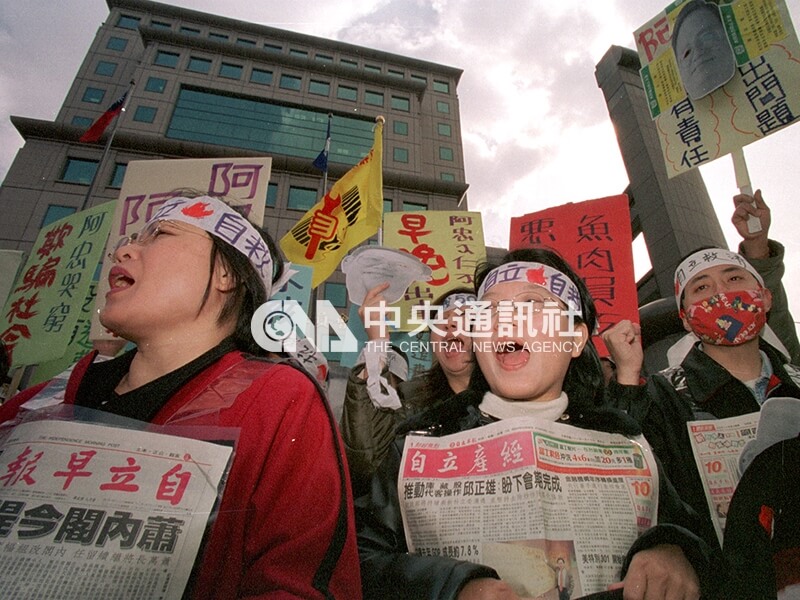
(45,304)
(450,243)
(762,97)
(595,238)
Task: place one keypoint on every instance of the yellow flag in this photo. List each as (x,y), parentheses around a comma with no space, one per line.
(348,214)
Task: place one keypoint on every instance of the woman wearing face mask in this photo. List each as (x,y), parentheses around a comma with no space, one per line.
(730,371)
(184,289)
(519,374)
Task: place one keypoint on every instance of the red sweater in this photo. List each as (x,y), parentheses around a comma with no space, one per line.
(285,527)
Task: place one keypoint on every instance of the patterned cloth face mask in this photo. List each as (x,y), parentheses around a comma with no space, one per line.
(728,318)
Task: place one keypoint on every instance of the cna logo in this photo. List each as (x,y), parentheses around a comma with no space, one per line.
(277,325)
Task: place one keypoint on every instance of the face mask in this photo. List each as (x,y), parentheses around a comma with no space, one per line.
(728,318)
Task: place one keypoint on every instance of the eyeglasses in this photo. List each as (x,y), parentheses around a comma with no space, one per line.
(148,233)
(533,302)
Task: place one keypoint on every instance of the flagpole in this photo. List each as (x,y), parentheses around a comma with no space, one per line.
(327,154)
(107,148)
(312,312)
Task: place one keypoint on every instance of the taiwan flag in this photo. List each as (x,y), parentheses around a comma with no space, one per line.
(95,132)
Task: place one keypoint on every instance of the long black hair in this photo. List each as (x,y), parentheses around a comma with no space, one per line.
(247,292)
(583,382)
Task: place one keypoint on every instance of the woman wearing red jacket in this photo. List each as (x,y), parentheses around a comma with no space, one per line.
(184,290)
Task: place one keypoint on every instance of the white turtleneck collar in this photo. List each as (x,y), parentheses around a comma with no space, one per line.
(500,408)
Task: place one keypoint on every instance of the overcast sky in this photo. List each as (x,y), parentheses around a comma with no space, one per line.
(535,127)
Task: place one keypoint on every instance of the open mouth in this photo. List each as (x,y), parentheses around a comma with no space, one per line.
(511,354)
(119,279)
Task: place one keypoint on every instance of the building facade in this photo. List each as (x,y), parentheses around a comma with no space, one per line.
(208,86)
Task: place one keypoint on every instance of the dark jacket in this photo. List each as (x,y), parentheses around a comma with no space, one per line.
(698,389)
(762,534)
(368,431)
(389,571)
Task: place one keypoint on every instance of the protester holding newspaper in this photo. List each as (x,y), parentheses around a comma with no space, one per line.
(184,290)
(729,371)
(371,412)
(514,380)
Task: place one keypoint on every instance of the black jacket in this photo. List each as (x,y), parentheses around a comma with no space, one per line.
(699,389)
(389,571)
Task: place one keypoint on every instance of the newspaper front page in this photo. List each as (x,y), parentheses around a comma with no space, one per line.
(543,503)
(91,511)
(717,444)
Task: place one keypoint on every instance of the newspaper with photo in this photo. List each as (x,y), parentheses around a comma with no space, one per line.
(531,499)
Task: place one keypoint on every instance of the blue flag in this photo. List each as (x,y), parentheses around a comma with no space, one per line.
(321,162)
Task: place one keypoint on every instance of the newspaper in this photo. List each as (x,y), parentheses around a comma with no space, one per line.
(92,511)
(531,499)
(717,444)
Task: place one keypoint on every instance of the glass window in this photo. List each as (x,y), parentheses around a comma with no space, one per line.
(344,92)
(160,25)
(189,30)
(166,59)
(266,126)
(127,22)
(155,84)
(323,58)
(230,71)
(199,65)
(441,86)
(105,68)
(401,103)
(444,129)
(400,155)
(413,207)
(296,52)
(220,37)
(79,170)
(447,177)
(387,205)
(291,82)
(372,68)
(119,175)
(82,121)
(420,78)
(93,95)
(301,198)
(374,98)
(445,153)
(396,73)
(273,47)
(400,127)
(245,42)
(336,294)
(118,44)
(272,195)
(261,76)
(443,107)
(145,114)
(56,212)
(320,88)
(346,62)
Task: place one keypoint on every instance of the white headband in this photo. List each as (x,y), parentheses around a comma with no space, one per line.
(705,259)
(216,217)
(455,300)
(538,274)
